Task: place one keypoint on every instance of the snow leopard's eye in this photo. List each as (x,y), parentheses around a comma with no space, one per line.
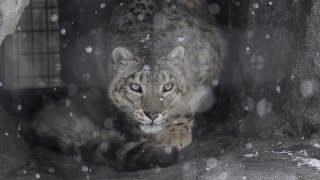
(167,87)
(135,87)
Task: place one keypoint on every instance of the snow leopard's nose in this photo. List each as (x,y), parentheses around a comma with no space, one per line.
(152,115)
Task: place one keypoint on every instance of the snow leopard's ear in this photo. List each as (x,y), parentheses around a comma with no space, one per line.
(175,62)
(176,55)
(121,55)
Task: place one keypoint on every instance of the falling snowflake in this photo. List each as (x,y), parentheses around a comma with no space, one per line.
(268,36)
(263,107)
(237,3)
(256,5)
(89,49)
(249,146)
(102,5)
(168,150)
(51,170)
(63,31)
(247,49)
(270,3)
(67,103)
(1,84)
(146,68)
(180,39)
(278,89)
(19,107)
(54,18)
(84,168)
(6,134)
(24,171)
(86,76)
(215,82)
(292,77)
(37,176)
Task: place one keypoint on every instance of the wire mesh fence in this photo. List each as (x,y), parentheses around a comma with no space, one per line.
(32,54)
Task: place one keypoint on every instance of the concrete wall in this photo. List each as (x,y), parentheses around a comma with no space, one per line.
(276,69)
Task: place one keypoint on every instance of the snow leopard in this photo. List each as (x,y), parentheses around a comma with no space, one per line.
(165,56)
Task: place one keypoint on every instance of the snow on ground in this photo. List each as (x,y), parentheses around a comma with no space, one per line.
(316,145)
(251,155)
(209,157)
(311,162)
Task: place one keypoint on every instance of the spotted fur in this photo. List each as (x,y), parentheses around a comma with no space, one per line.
(165,56)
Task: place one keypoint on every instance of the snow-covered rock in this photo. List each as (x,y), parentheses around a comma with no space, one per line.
(10,12)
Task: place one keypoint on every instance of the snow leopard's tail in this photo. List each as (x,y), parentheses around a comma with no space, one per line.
(59,128)
(129,156)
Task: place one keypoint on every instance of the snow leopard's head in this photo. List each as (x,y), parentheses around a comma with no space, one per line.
(146,90)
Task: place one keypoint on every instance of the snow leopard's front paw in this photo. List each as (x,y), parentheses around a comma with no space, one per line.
(178,133)
(180,139)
